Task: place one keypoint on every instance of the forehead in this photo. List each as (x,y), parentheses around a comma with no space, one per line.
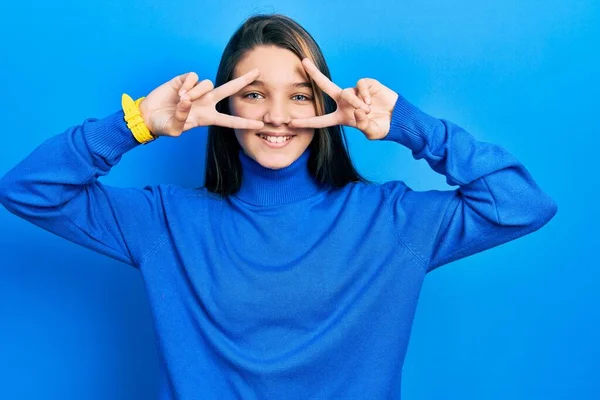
(276,65)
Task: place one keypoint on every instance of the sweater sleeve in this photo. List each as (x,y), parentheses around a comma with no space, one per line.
(56,187)
(497,199)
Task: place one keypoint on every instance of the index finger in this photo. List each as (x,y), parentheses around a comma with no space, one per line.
(322,121)
(235,85)
(320,79)
(230,121)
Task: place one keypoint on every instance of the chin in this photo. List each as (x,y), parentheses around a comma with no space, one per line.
(273,161)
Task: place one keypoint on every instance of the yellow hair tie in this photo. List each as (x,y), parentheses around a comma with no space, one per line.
(134,119)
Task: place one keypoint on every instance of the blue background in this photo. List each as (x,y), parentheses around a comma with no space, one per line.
(518,321)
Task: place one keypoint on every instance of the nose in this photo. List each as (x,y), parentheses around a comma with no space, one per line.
(276,114)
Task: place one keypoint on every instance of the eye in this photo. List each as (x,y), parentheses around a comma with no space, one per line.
(246,96)
(305,97)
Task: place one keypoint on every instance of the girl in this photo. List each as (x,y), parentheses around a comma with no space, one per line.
(288,275)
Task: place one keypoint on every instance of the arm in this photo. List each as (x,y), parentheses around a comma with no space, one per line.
(56,188)
(497,199)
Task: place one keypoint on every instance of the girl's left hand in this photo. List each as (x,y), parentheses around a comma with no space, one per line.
(367,107)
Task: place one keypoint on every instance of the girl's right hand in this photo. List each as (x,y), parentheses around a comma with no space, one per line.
(184,103)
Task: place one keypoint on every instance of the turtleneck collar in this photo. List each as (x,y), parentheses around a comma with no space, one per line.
(268,187)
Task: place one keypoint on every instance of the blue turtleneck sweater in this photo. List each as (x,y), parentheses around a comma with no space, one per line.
(288,289)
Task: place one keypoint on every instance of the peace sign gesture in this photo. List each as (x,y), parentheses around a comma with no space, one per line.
(367,107)
(184,103)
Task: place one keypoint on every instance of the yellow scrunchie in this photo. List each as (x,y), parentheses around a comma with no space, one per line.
(134,119)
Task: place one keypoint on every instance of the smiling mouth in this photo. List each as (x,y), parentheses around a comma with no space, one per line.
(275,141)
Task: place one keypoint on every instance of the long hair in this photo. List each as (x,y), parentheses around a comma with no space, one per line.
(329,161)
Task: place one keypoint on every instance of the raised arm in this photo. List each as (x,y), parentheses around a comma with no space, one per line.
(56,187)
(497,199)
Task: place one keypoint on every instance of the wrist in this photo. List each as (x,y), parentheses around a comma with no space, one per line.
(144,111)
(135,121)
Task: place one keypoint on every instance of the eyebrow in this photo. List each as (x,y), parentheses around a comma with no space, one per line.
(258,82)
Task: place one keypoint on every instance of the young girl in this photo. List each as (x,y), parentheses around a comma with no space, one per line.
(288,275)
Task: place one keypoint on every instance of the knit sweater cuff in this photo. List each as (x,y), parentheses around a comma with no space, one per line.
(410,126)
(109,137)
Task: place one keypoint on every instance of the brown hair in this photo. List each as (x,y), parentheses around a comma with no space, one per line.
(329,161)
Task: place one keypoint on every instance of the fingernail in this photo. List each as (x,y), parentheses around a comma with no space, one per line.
(368,100)
(182,92)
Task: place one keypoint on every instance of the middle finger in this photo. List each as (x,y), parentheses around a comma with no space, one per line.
(333,90)
(320,79)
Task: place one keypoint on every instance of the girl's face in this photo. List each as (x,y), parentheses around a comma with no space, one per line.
(281,92)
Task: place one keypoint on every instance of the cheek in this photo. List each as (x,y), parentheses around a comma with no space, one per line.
(246,110)
(243,137)
(306,112)
(310,135)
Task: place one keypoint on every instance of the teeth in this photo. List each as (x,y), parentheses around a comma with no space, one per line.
(276,139)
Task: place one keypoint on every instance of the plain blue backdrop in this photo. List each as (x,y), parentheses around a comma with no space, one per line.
(519,321)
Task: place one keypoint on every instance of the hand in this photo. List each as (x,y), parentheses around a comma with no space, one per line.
(367,107)
(184,103)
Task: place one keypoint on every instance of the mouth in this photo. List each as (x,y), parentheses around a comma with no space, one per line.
(275,140)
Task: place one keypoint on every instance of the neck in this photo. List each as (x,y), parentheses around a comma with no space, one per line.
(268,187)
